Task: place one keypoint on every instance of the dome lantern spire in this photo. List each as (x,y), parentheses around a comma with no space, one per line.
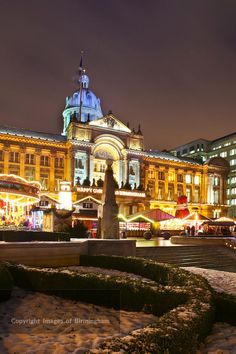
(83,101)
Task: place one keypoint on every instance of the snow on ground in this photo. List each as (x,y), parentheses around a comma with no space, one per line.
(38,323)
(112,272)
(222,282)
(222,340)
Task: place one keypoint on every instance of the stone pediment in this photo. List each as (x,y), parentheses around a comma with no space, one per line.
(110,122)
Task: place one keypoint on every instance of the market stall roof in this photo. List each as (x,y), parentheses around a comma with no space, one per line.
(219,223)
(223,218)
(151,215)
(196,216)
(17,190)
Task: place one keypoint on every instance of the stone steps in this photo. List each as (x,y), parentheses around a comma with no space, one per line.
(212,257)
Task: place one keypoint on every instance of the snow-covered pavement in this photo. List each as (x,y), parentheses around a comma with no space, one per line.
(38,323)
(222,282)
(222,340)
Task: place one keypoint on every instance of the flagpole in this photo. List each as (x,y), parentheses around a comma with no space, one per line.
(81,85)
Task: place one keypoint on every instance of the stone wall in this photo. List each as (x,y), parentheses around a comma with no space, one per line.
(55,254)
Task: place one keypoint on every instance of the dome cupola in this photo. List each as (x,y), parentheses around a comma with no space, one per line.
(84,97)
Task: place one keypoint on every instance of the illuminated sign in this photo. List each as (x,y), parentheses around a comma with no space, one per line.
(124,193)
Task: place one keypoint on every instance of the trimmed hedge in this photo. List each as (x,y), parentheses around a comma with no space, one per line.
(225,308)
(130,295)
(161,273)
(6,283)
(28,236)
(187,297)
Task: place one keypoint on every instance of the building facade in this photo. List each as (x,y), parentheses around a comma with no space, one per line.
(224,147)
(145,179)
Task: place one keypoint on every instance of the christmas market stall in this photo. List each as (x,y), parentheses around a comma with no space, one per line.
(17,195)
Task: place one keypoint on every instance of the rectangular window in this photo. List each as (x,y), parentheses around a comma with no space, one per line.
(30,174)
(216,196)
(59,162)
(188,194)
(58,179)
(160,193)
(180,190)
(171,176)
(151,173)
(29,159)
(180,178)
(223,154)
(196,195)
(233,180)
(87,205)
(216,181)
(233,191)
(232,152)
(161,175)
(232,162)
(1,155)
(188,179)
(14,170)
(14,157)
(79,164)
(102,168)
(197,180)
(44,160)
(192,149)
(170,193)
(44,179)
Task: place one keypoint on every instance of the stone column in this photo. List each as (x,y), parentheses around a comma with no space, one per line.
(52,173)
(71,163)
(166,183)
(88,166)
(91,168)
(22,164)
(6,160)
(37,166)
(67,168)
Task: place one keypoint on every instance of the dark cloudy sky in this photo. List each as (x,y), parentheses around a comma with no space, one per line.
(167,64)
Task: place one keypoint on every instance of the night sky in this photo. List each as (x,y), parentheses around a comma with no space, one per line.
(169,65)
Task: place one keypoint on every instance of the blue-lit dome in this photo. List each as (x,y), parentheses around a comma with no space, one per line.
(91,106)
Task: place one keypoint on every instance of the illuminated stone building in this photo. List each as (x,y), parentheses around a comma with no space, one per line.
(224,147)
(145,179)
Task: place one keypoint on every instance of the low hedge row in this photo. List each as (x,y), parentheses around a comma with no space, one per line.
(6,283)
(28,236)
(187,298)
(225,308)
(177,332)
(121,293)
(161,273)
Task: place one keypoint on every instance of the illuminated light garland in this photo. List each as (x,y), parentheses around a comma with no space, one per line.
(21,179)
(85,198)
(50,197)
(121,216)
(142,217)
